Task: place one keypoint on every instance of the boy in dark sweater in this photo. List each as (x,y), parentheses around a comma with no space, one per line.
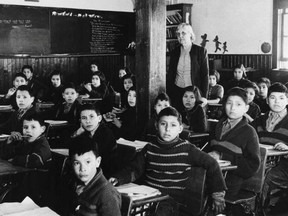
(31,149)
(24,100)
(236,141)
(166,164)
(272,130)
(91,193)
(93,126)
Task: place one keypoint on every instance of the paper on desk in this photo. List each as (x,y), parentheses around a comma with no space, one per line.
(223,163)
(138,191)
(266,146)
(14,207)
(64,152)
(137,143)
(55,122)
(44,211)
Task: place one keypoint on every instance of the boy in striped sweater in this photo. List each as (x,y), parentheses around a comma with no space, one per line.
(166,163)
(272,130)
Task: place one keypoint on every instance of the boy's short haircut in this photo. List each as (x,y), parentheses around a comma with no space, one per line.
(249,84)
(27,67)
(94,107)
(236,91)
(240,66)
(162,97)
(264,80)
(132,88)
(81,145)
(26,88)
(69,85)
(170,111)
(277,87)
(195,91)
(34,116)
(216,74)
(20,74)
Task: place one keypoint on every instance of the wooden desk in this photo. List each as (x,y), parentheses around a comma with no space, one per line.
(4,137)
(8,172)
(273,156)
(44,106)
(91,100)
(6,108)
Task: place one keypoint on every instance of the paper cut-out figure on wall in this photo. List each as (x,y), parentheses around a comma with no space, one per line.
(217,43)
(225,47)
(204,40)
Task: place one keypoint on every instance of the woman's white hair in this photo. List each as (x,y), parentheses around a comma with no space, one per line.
(189,28)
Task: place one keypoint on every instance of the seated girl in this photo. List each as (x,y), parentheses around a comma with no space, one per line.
(239,76)
(55,88)
(127,81)
(194,117)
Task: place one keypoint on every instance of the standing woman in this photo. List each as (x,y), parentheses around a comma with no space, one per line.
(188,66)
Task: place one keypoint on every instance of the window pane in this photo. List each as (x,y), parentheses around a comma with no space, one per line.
(285,47)
(285,25)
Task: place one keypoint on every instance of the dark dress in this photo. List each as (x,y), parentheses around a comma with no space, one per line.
(195,118)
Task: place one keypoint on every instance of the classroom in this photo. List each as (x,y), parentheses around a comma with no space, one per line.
(156,107)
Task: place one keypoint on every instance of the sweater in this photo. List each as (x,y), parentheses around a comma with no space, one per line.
(99,198)
(279,134)
(195,118)
(167,165)
(254,110)
(240,146)
(36,154)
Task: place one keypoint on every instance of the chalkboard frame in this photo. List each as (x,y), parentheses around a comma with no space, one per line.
(78,39)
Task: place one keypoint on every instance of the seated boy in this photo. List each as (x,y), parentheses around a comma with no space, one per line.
(24,100)
(272,130)
(10,97)
(263,84)
(30,149)
(93,126)
(92,194)
(236,141)
(166,163)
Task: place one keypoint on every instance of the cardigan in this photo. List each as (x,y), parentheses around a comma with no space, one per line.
(195,118)
(215,92)
(279,134)
(167,165)
(199,68)
(254,110)
(99,198)
(240,146)
(34,154)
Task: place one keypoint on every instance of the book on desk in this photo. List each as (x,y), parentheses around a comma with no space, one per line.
(137,144)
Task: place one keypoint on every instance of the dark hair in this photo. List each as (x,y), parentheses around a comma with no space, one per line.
(94,63)
(170,111)
(20,74)
(27,67)
(195,91)
(249,84)
(34,116)
(56,73)
(26,88)
(101,75)
(236,91)
(93,107)
(216,74)
(240,66)
(129,76)
(69,85)
(277,87)
(264,80)
(162,97)
(82,144)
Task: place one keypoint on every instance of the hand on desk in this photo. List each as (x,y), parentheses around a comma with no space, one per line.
(218,204)
(281,146)
(113,181)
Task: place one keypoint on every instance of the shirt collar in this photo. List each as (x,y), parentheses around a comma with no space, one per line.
(279,114)
(232,122)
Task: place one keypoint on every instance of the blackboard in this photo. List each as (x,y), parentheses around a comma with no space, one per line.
(42,31)
(24,30)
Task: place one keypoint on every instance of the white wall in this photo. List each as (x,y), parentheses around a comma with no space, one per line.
(110,5)
(244,24)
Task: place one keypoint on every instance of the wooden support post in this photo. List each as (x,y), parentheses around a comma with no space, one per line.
(150,54)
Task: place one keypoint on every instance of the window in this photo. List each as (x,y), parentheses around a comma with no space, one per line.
(280,34)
